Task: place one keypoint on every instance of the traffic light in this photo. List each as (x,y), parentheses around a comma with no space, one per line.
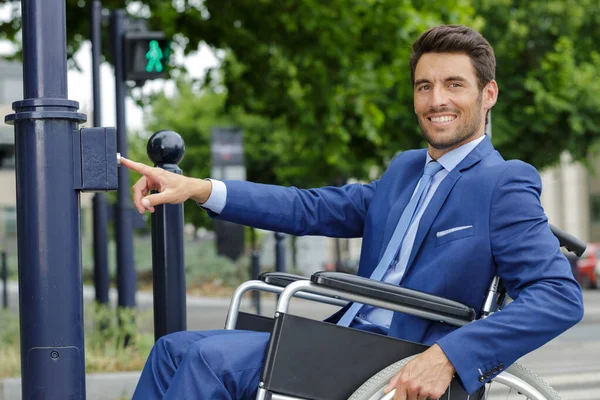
(146,55)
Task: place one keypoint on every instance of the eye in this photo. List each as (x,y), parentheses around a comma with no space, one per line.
(423,87)
(455,85)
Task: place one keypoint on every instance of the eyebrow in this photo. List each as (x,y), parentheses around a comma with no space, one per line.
(449,79)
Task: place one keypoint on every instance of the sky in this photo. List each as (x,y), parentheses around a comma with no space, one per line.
(80,83)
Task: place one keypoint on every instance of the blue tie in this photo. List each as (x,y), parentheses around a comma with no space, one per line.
(393,247)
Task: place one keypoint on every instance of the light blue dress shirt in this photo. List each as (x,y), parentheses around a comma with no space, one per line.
(217,198)
(369,314)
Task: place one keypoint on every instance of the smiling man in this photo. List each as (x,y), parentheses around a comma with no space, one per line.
(443,220)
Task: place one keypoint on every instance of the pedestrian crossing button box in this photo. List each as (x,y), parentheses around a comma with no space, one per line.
(95,159)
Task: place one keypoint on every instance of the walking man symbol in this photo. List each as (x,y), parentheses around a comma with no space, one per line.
(154,55)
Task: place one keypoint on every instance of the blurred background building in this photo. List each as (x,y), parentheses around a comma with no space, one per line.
(11,90)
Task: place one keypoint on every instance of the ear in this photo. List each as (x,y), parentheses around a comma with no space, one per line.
(490,94)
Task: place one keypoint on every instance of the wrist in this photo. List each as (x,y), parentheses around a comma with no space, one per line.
(201,190)
(443,357)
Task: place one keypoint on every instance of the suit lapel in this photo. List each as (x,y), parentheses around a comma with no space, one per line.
(431,212)
(441,194)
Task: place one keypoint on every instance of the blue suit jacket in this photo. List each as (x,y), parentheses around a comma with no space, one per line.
(509,237)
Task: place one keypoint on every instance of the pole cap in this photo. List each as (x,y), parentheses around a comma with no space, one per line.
(165,147)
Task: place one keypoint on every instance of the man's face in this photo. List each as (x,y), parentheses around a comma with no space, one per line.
(449,105)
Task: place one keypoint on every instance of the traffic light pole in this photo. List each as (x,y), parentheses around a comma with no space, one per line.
(48,166)
(126,278)
(99,202)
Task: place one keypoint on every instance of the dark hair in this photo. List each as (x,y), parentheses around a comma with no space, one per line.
(457,39)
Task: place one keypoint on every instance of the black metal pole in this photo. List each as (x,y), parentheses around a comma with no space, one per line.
(100,202)
(126,279)
(4,281)
(165,149)
(101,275)
(279,252)
(48,220)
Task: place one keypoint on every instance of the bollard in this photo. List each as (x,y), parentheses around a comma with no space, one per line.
(279,252)
(4,281)
(254,273)
(165,149)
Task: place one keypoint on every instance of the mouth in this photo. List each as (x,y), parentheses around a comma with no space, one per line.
(440,120)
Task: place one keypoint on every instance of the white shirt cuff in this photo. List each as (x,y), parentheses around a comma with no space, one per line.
(218,197)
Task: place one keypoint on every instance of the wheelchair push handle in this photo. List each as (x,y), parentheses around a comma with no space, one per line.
(569,241)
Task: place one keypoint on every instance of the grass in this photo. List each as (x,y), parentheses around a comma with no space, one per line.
(207,274)
(104,348)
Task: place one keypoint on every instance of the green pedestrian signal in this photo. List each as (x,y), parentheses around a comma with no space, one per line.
(154,56)
(147,55)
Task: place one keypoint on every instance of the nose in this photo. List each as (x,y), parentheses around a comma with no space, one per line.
(438,98)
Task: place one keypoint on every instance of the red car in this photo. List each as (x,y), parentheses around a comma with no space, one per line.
(588,267)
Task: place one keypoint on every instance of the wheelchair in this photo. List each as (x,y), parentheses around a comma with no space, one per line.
(309,359)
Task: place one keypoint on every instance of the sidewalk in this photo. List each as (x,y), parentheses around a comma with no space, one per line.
(107,386)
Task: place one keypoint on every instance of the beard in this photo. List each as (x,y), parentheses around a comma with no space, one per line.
(464,131)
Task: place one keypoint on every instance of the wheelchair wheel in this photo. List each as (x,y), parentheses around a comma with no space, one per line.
(516,382)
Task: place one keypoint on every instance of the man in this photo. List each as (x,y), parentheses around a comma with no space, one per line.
(443,220)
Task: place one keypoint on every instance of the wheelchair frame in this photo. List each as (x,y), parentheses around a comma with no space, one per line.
(305,289)
(310,289)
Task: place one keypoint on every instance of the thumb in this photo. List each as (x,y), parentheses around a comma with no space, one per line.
(391,384)
(155,199)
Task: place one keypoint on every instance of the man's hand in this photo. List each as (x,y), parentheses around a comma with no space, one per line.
(427,376)
(173,188)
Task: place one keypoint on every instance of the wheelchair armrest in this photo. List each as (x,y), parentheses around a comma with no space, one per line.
(280,279)
(393,294)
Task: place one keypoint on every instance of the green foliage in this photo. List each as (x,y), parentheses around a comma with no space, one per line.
(548,74)
(325,85)
(193,113)
(334,74)
(9,334)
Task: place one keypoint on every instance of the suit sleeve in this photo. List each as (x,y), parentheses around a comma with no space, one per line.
(547,300)
(327,211)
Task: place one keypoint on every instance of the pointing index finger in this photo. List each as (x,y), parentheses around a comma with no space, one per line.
(137,167)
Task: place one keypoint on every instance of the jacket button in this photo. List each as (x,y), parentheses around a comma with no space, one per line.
(494,370)
(487,374)
(481,379)
(500,367)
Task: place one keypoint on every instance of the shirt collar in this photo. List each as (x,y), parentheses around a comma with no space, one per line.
(451,159)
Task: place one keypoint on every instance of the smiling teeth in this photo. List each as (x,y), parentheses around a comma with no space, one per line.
(442,119)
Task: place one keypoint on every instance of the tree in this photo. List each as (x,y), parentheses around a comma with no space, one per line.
(334,75)
(193,113)
(548,74)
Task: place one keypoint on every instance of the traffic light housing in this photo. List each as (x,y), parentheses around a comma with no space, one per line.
(147,55)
